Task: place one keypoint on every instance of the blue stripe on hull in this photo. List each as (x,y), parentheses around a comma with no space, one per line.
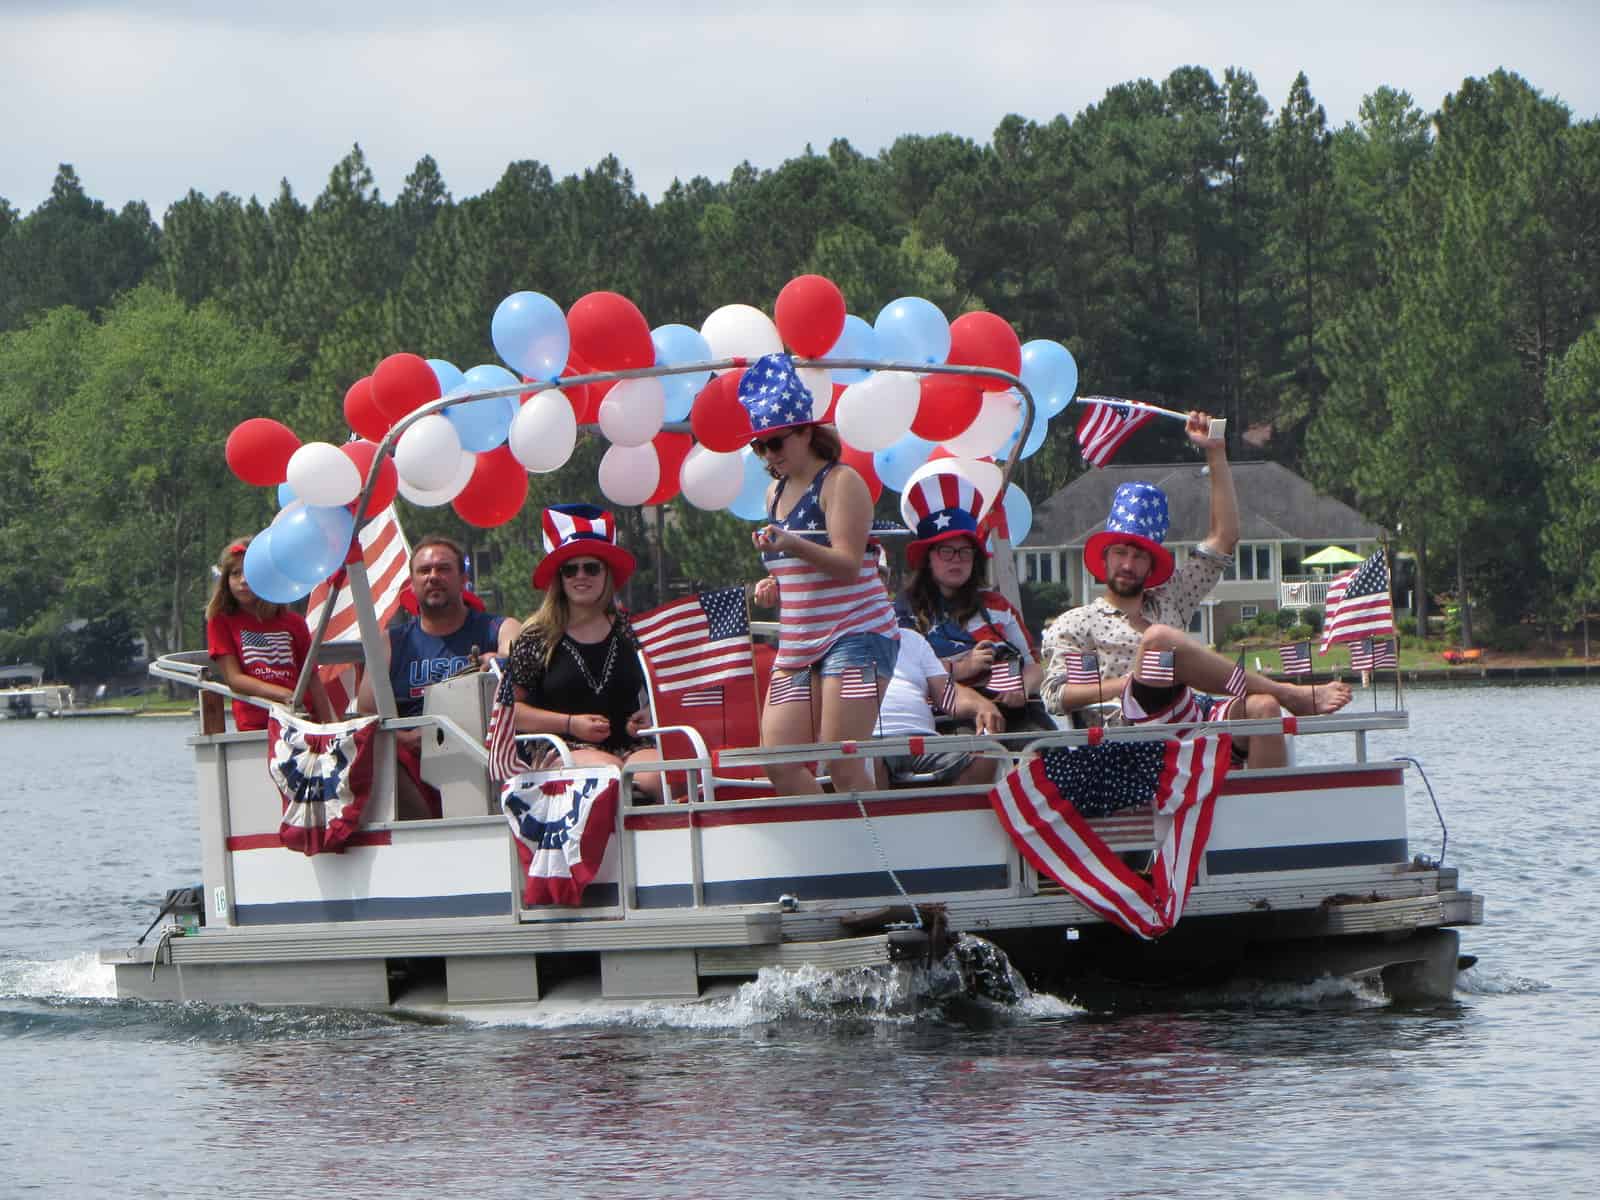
(391,908)
(828,887)
(1303,858)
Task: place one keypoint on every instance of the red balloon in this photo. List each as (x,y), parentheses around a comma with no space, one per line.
(861,462)
(981,339)
(810,315)
(495,493)
(361,411)
(259,450)
(671,450)
(401,383)
(610,333)
(579,395)
(719,421)
(949,404)
(388,484)
(831,415)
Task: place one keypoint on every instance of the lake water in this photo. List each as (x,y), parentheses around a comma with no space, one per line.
(786,1089)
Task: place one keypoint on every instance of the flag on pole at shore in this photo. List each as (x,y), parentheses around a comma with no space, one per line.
(1296,657)
(1358,604)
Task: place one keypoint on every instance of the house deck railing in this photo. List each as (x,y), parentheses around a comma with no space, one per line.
(1303,591)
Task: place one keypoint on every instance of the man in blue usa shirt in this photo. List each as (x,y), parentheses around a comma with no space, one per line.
(447,637)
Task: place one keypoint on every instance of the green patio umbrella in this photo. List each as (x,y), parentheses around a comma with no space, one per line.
(1332,556)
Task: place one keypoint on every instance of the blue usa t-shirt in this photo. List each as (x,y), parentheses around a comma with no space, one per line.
(418,658)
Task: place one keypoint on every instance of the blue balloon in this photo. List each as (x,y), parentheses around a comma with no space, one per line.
(286,495)
(856,340)
(1019,514)
(448,374)
(264,578)
(912,330)
(1036,436)
(309,543)
(1050,374)
(751,502)
(530,332)
(676,344)
(895,463)
(483,424)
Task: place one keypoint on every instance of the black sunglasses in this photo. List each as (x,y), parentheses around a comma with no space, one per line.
(589,567)
(769,445)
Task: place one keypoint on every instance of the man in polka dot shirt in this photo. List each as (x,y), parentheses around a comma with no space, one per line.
(1136,626)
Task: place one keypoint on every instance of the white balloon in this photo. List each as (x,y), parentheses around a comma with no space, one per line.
(632,411)
(877,412)
(544,431)
(819,382)
(710,480)
(629,475)
(426,498)
(428,455)
(320,475)
(740,331)
(991,428)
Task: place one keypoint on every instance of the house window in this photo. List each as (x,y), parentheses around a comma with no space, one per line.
(1249,612)
(1197,623)
(1252,560)
(1039,568)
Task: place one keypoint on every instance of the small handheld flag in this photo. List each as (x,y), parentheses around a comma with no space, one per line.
(1296,658)
(1156,668)
(1083,668)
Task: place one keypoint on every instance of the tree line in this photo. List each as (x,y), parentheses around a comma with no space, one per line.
(1402,308)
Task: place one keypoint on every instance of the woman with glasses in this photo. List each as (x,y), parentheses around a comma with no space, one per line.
(973,629)
(575,666)
(837,636)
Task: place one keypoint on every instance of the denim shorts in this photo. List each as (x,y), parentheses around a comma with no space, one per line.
(861,650)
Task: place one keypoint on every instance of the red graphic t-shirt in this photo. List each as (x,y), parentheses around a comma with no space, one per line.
(271,651)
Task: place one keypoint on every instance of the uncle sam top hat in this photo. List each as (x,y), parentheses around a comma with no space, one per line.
(1138,518)
(580,531)
(775,396)
(940,507)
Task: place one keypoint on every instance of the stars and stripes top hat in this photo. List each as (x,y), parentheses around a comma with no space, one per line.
(580,531)
(1138,518)
(774,395)
(940,507)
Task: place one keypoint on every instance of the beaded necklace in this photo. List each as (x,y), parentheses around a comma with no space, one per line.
(598,688)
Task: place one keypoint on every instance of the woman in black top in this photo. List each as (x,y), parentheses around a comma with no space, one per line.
(575,666)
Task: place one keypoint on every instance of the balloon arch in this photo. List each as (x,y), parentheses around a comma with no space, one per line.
(911,394)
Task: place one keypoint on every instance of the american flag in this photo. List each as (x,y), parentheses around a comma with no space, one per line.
(501,740)
(698,641)
(858,683)
(387,556)
(271,649)
(1156,668)
(947,698)
(1236,684)
(1358,604)
(1005,677)
(1107,425)
(1296,658)
(1371,654)
(793,687)
(1044,804)
(711,697)
(1083,668)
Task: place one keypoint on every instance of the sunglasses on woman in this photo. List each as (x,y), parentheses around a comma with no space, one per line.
(589,567)
(769,445)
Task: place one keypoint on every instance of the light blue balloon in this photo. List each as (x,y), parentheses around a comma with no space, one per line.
(1050,373)
(676,344)
(856,340)
(530,332)
(448,374)
(751,502)
(895,463)
(912,330)
(1036,436)
(1019,514)
(286,495)
(309,543)
(483,424)
(263,576)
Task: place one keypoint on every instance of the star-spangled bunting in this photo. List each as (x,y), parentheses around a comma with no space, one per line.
(562,825)
(324,773)
(1358,604)
(1106,426)
(698,641)
(1044,805)
(1296,658)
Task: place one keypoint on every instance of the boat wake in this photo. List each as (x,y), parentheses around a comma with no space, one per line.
(1481,981)
(82,977)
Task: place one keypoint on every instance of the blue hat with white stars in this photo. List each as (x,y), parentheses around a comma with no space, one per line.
(1138,518)
(774,395)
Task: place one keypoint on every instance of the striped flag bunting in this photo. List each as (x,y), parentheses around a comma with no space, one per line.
(1236,682)
(1039,805)
(1106,426)
(1358,604)
(1156,668)
(1296,658)
(791,688)
(1083,668)
(697,641)
(858,683)
(561,826)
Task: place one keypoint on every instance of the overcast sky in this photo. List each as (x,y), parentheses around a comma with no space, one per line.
(148,98)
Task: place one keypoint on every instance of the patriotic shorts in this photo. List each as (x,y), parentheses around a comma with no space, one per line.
(861,650)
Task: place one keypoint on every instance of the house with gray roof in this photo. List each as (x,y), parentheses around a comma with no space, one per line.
(1282,521)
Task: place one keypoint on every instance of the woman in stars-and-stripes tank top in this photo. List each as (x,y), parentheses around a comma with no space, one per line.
(837,633)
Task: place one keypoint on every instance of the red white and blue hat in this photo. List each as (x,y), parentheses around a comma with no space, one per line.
(1138,518)
(774,395)
(580,531)
(940,507)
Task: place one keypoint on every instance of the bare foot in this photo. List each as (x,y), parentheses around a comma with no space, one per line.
(1305,701)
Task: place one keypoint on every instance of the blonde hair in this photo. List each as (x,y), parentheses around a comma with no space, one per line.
(222,598)
(550,621)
